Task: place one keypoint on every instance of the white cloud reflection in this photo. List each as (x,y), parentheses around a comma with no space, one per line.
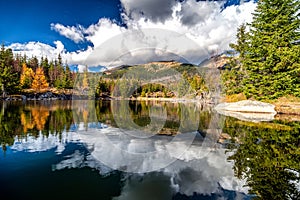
(198,170)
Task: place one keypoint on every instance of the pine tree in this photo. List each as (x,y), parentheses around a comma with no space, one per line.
(234,74)
(39,82)
(68,78)
(45,65)
(51,74)
(59,74)
(34,63)
(26,76)
(8,78)
(272,57)
(242,41)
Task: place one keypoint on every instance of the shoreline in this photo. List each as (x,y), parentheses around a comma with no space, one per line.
(282,108)
(53,96)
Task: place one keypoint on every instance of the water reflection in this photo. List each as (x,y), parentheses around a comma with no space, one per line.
(261,158)
(268,156)
(20,119)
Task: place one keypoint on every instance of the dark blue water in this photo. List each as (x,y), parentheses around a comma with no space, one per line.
(62,151)
(30,175)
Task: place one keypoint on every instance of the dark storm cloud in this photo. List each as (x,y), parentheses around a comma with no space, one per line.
(155,10)
(193,12)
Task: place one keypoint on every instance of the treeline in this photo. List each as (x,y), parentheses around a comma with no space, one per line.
(18,72)
(191,85)
(267,61)
(22,75)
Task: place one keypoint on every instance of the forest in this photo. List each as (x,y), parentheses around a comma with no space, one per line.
(18,73)
(266,64)
(22,75)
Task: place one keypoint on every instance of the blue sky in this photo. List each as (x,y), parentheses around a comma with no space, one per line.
(24,21)
(76,29)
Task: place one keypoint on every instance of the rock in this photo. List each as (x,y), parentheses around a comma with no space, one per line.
(23,97)
(247,106)
(251,117)
(225,136)
(247,110)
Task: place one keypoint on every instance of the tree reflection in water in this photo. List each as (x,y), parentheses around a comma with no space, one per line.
(54,117)
(268,156)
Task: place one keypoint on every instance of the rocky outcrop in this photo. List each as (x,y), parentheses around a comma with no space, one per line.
(48,96)
(41,96)
(248,110)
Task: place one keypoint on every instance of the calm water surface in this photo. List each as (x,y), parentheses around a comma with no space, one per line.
(143,150)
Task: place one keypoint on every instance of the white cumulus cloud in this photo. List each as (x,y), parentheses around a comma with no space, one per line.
(103,31)
(39,49)
(71,32)
(206,24)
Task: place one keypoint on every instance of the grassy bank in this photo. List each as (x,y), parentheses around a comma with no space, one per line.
(287,105)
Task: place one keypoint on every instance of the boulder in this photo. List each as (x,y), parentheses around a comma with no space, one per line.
(248,110)
(247,106)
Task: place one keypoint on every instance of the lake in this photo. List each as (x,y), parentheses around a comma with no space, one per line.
(143,150)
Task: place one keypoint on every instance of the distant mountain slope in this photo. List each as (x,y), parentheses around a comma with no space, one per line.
(182,79)
(218,61)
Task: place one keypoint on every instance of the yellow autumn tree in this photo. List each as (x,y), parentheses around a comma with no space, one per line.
(26,76)
(39,82)
(85,81)
(26,122)
(40,116)
(37,118)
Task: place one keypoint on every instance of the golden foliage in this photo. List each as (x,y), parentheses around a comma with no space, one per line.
(40,117)
(39,82)
(85,115)
(26,122)
(26,76)
(37,118)
(85,83)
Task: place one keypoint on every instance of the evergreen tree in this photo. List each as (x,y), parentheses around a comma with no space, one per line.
(68,78)
(59,73)
(51,74)
(8,78)
(45,65)
(34,63)
(272,56)
(234,74)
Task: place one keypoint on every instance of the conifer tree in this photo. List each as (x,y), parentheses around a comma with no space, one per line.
(271,59)
(8,78)
(268,65)
(26,76)
(235,73)
(39,82)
